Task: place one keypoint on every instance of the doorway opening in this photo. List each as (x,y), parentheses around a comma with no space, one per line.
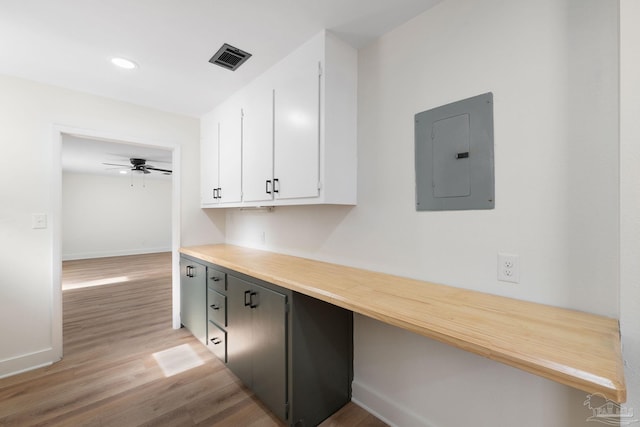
(120,169)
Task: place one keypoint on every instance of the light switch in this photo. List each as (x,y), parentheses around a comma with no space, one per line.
(38,221)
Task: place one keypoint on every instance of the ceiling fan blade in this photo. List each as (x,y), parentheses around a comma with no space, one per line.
(113,164)
(158,169)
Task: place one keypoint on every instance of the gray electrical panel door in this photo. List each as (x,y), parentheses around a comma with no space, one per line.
(454,156)
(451,175)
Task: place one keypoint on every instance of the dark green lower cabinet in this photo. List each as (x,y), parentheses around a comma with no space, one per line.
(293,351)
(193,309)
(321,363)
(217,342)
(257,350)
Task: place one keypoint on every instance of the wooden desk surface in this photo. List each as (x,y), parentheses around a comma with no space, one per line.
(578,349)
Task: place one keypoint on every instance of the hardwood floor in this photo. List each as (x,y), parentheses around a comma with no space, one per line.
(117,321)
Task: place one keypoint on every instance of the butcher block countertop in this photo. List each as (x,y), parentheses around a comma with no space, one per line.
(578,349)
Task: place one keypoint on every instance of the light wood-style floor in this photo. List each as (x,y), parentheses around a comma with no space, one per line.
(109,375)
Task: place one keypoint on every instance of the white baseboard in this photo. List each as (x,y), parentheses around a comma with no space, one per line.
(105,254)
(28,362)
(385,409)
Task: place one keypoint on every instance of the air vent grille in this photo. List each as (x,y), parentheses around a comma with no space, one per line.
(229,57)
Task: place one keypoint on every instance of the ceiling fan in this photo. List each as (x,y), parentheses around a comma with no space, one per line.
(140,165)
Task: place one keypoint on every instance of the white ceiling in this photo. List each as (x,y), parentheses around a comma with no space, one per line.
(69,43)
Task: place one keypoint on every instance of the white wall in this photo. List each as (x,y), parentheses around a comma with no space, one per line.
(630,197)
(114,215)
(552,67)
(28,112)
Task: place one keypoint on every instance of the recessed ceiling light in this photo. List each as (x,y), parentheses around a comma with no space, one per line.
(123,172)
(124,63)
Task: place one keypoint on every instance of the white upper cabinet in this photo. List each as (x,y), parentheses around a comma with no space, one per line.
(208,159)
(257,143)
(297,132)
(297,123)
(230,153)
(221,156)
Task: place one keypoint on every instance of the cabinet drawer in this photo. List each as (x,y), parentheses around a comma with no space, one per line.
(216,280)
(217,341)
(217,307)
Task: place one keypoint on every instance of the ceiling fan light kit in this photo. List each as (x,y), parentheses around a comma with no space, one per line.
(127,64)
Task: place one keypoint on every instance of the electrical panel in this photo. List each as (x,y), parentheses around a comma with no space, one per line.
(454,156)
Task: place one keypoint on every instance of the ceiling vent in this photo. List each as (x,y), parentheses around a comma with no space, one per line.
(229,57)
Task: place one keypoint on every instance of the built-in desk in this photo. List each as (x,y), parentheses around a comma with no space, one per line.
(578,349)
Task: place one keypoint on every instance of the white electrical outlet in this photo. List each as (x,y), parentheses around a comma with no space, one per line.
(508,268)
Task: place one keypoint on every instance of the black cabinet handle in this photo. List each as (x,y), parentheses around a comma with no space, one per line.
(252,304)
(189,271)
(247,294)
(215,279)
(219,193)
(215,307)
(276,188)
(216,340)
(268,186)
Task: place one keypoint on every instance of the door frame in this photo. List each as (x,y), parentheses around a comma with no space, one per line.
(56,219)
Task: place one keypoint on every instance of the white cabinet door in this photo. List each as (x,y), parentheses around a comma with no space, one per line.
(208,159)
(297,126)
(209,168)
(230,154)
(257,145)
